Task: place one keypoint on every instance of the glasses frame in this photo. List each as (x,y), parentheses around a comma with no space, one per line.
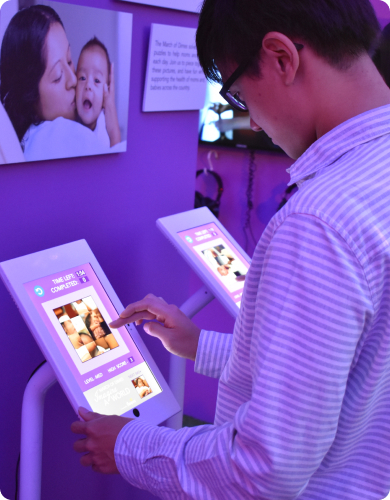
(230,98)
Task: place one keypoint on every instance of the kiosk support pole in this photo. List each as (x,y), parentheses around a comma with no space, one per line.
(177,366)
(32,433)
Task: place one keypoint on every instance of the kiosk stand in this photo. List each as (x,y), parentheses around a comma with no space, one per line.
(32,433)
(44,378)
(177,365)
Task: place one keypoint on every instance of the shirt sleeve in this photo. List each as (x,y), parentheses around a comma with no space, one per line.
(213,353)
(312,306)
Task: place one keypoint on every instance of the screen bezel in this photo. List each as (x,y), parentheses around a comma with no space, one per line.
(172,225)
(16,272)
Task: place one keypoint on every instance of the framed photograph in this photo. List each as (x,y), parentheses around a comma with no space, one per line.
(74,100)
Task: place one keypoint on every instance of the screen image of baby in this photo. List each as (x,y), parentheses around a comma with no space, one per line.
(95,92)
(142,387)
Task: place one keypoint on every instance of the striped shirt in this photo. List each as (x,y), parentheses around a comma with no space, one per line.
(303,408)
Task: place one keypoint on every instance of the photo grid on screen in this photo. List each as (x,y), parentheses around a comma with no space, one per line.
(86,328)
(229,269)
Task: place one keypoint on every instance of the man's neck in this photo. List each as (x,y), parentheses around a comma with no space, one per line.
(349,93)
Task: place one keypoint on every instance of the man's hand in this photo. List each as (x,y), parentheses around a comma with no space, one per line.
(101,432)
(178,333)
(110,113)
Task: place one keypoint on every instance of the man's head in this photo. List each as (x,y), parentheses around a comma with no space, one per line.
(337,30)
(282,46)
(93,71)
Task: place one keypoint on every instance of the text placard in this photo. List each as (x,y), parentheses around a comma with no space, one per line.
(174,78)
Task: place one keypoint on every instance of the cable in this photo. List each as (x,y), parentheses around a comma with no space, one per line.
(18,462)
(17,478)
(249,197)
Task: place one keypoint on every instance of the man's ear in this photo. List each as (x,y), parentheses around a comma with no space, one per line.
(282,54)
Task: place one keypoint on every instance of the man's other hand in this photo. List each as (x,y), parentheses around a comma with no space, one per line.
(101,432)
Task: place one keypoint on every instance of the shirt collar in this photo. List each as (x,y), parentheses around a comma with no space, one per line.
(343,138)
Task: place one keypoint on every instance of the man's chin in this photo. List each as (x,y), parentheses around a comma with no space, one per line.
(290,151)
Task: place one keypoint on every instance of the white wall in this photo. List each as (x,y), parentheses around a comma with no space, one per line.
(8,10)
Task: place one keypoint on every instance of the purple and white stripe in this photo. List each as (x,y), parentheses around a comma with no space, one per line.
(303,407)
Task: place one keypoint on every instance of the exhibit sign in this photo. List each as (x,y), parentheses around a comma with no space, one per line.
(186,5)
(79,107)
(174,77)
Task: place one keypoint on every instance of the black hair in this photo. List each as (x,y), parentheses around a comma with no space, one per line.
(230,31)
(382,55)
(87,321)
(103,325)
(95,42)
(23,63)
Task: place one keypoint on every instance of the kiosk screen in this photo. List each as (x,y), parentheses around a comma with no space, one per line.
(106,363)
(219,256)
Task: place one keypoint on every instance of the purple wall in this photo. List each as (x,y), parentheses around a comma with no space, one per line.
(113,202)
(382,11)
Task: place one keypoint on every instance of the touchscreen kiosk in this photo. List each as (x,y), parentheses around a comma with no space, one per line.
(211,251)
(68,309)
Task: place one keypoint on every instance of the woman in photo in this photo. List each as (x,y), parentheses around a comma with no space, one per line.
(38,87)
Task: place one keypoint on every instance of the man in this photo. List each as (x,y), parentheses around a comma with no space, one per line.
(312,421)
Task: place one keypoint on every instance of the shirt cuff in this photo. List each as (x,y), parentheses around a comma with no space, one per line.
(147,457)
(213,353)
(133,446)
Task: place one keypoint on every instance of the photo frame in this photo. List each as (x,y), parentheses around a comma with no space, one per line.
(46,127)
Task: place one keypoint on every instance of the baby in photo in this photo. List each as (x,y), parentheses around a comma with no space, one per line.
(95,97)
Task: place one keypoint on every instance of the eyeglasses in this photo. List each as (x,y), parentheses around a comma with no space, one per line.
(234,99)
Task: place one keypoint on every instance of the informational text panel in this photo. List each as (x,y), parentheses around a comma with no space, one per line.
(174,78)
